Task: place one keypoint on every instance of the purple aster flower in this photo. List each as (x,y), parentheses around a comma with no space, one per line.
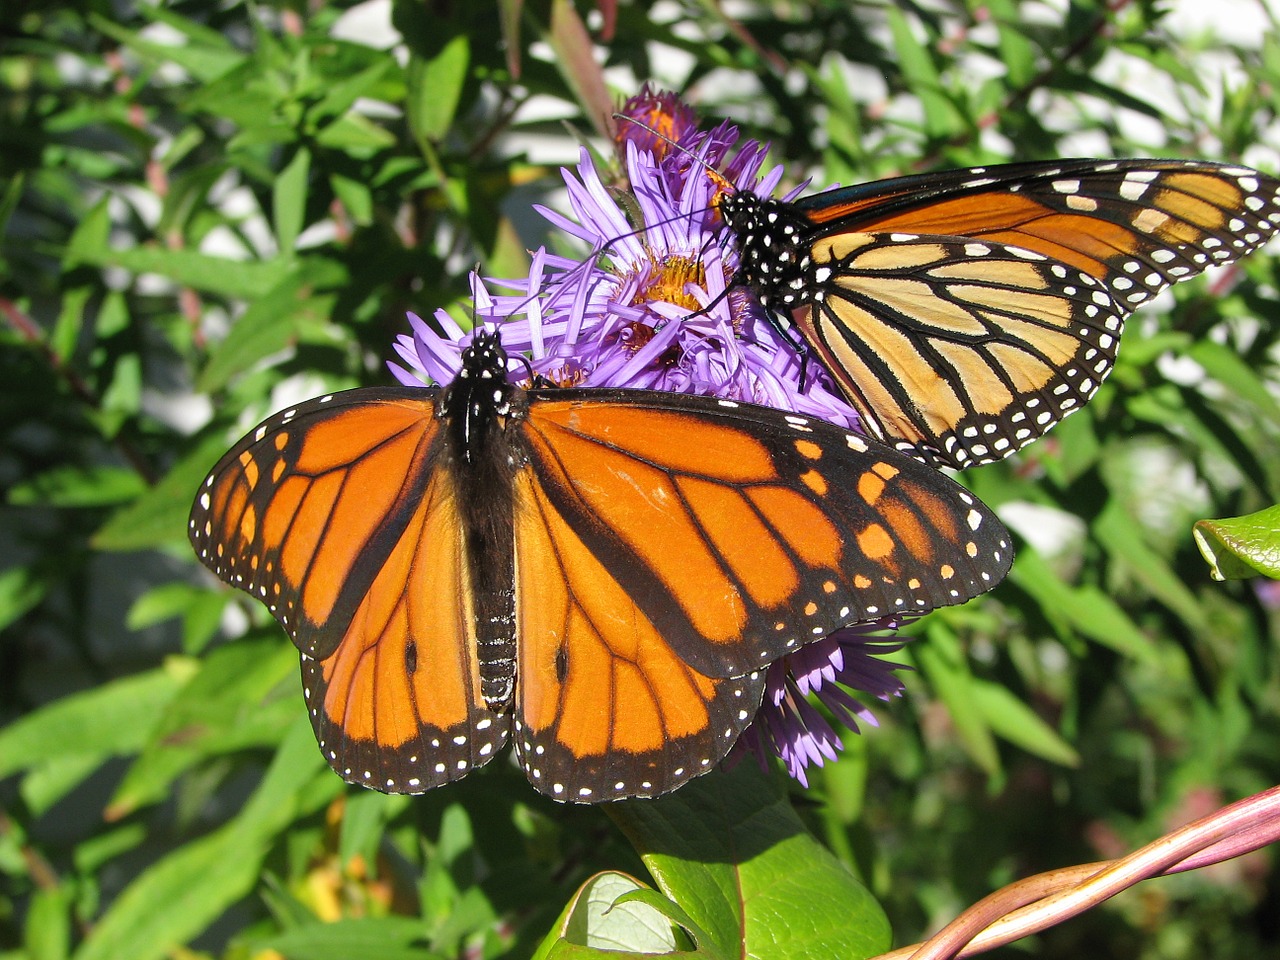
(649,308)
(653,120)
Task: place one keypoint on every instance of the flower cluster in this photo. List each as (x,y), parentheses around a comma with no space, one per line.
(652,306)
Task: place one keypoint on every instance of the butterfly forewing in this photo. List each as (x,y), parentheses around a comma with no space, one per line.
(1131,226)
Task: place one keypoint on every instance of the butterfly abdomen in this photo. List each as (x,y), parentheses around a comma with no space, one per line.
(484,457)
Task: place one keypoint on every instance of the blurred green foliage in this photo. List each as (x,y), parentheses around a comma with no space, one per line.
(209,211)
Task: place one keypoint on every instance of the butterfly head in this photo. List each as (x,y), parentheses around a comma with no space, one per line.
(481,398)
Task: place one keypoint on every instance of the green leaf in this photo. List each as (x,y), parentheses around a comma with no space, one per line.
(21,588)
(1125,538)
(730,851)
(386,938)
(269,326)
(1241,547)
(1232,371)
(575,59)
(599,922)
(364,821)
(1010,718)
(941,118)
(232,703)
(110,720)
(1084,609)
(178,897)
(435,88)
(47,934)
(943,664)
(289,200)
(245,279)
(159,516)
(75,486)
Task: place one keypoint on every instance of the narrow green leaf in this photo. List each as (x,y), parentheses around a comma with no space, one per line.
(208,58)
(231,703)
(435,88)
(1124,537)
(110,720)
(943,664)
(732,853)
(1241,547)
(353,133)
(91,237)
(289,200)
(9,199)
(1086,609)
(47,934)
(575,58)
(1230,369)
(245,279)
(75,486)
(159,516)
(21,588)
(387,938)
(1010,718)
(940,116)
(177,898)
(364,821)
(355,196)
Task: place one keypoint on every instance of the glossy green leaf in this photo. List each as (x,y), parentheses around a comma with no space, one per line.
(730,851)
(1241,547)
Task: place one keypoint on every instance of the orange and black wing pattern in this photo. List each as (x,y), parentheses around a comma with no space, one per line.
(611,571)
(339,516)
(670,547)
(963,364)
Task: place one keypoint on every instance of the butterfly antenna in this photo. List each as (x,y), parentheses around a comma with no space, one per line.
(715,175)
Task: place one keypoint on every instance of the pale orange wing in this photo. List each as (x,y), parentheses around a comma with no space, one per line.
(339,515)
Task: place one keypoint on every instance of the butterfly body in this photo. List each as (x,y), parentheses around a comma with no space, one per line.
(965,313)
(600,576)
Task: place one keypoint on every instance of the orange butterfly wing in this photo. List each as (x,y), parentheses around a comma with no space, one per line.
(338,515)
(669,547)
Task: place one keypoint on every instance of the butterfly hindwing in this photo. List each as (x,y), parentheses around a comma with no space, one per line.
(959,351)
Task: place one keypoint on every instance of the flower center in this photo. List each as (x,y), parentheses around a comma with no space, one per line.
(670,281)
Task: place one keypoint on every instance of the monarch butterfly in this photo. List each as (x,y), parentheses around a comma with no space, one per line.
(965,313)
(600,575)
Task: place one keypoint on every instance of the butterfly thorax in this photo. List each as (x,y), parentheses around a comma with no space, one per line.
(773,250)
(477,408)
